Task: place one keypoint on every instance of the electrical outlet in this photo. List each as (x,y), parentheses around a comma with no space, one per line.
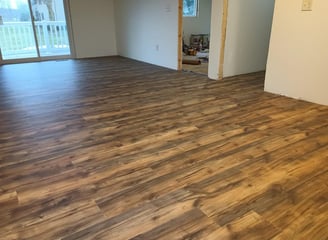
(307,5)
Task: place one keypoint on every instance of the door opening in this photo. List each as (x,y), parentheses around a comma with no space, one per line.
(196,35)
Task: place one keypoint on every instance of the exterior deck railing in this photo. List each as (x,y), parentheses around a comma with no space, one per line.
(17,38)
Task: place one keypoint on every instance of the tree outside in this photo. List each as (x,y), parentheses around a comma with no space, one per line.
(50,4)
(189,8)
(18,10)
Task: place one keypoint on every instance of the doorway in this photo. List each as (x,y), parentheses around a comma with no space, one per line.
(33,30)
(196,35)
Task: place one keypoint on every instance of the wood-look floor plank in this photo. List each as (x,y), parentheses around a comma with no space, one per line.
(111,148)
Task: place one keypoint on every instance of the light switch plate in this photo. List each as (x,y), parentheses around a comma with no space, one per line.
(307,5)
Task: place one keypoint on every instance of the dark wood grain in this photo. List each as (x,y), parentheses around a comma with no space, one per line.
(111,148)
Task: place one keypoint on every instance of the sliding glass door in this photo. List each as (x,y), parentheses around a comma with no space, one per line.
(50,27)
(33,29)
(17,39)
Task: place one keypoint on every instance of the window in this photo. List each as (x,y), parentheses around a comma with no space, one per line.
(190,8)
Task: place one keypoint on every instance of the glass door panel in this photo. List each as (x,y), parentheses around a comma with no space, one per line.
(50,27)
(16,30)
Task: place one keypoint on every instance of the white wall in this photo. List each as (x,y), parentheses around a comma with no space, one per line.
(93,26)
(200,24)
(248,36)
(215,39)
(298,56)
(147,30)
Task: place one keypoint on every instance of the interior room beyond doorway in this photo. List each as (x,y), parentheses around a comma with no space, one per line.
(196,35)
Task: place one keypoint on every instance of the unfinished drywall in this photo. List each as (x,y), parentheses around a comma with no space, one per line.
(93,26)
(147,30)
(248,36)
(298,55)
(201,24)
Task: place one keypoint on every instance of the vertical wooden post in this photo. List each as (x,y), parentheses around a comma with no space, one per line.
(223,36)
(180,30)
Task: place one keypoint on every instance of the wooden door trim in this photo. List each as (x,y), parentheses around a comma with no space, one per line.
(180,30)
(223,37)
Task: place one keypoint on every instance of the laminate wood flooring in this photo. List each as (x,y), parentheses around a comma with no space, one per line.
(201,69)
(111,148)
